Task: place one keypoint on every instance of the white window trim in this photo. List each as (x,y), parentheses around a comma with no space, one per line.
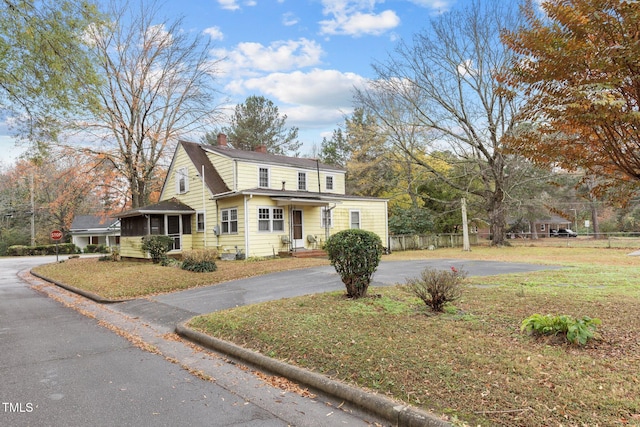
(271,219)
(229,221)
(359,218)
(306,183)
(333,182)
(268,177)
(204,221)
(182,173)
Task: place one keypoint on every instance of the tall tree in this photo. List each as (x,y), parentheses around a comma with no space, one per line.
(335,151)
(368,169)
(450,83)
(159,85)
(257,122)
(45,70)
(579,62)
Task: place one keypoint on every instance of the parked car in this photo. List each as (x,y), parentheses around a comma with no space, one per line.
(563,232)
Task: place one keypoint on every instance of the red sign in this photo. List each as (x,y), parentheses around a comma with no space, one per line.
(56,234)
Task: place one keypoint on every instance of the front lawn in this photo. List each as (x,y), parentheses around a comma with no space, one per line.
(471,364)
(134,279)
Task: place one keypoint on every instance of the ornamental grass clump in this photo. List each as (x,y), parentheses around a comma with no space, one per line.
(436,288)
(200,261)
(355,254)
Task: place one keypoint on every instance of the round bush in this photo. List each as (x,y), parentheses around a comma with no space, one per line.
(355,254)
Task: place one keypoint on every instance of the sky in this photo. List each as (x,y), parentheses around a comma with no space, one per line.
(306,56)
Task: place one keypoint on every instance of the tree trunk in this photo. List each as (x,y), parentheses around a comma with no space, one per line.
(497,221)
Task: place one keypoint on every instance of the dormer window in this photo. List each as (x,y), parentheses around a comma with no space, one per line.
(263,177)
(302,181)
(329,182)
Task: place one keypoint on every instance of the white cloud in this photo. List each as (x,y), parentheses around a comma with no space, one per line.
(439,5)
(315,98)
(214,32)
(359,24)
(233,4)
(289,19)
(250,58)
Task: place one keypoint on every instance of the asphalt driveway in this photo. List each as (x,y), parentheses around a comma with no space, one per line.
(180,306)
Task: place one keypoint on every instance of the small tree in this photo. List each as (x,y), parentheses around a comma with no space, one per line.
(355,254)
(437,287)
(157,246)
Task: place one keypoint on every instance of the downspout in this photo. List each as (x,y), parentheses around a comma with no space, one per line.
(204,210)
(246,226)
(318,170)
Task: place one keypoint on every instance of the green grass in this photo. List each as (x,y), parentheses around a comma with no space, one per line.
(471,363)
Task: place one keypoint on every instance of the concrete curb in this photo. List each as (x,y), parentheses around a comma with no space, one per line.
(95,297)
(396,413)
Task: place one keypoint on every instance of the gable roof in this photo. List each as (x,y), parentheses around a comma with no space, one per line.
(92,222)
(198,157)
(272,159)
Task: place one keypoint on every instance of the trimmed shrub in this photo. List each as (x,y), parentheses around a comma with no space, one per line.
(21,250)
(201,261)
(355,254)
(438,287)
(576,331)
(157,246)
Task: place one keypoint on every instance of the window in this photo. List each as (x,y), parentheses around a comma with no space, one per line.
(263,177)
(229,220)
(329,182)
(327,218)
(355,219)
(271,219)
(302,181)
(200,222)
(264,220)
(182,180)
(278,219)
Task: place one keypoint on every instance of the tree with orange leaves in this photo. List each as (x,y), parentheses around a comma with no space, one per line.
(579,64)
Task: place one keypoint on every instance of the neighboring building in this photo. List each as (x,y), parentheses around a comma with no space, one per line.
(95,230)
(250,202)
(554,222)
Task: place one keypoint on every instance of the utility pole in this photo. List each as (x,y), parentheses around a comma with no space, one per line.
(466,246)
(33,214)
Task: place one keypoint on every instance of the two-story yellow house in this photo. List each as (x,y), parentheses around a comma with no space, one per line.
(249,202)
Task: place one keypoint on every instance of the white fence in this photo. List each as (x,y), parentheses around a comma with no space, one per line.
(427,241)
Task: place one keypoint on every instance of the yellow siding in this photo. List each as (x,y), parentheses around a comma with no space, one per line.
(131,247)
(248,178)
(226,243)
(264,243)
(373,217)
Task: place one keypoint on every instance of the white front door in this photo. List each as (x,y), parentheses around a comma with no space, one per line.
(296,226)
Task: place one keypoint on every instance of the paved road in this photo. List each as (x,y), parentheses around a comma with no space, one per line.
(179,306)
(62,368)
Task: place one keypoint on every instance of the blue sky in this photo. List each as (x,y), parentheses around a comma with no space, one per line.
(304,55)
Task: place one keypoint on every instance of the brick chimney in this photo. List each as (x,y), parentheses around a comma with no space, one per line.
(222,140)
(260,149)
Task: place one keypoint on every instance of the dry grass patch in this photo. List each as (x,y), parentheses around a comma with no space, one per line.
(133,279)
(472,363)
